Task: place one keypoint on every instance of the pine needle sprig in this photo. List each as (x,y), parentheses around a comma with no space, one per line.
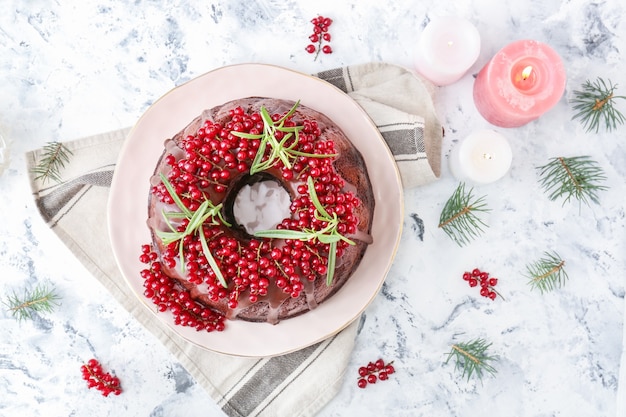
(459,218)
(595,106)
(54,157)
(41,299)
(547,273)
(577,177)
(473,358)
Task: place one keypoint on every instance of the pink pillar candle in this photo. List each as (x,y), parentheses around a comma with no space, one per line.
(522,81)
(448,47)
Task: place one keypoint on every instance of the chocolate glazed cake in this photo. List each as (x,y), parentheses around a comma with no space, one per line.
(238,160)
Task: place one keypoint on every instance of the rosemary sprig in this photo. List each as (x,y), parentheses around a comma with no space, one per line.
(196,220)
(54,157)
(458,218)
(328,235)
(547,273)
(41,299)
(594,105)
(577,177)
(473,358)
(279,150)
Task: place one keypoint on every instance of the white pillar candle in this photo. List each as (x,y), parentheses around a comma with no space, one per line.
(483,157)
(448,47)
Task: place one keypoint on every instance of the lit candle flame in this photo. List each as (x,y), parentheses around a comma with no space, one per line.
(450,43)
(526,72)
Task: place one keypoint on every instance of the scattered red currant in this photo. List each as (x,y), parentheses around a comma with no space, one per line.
(373,372)
(486,282)
(320,34)
(95,376)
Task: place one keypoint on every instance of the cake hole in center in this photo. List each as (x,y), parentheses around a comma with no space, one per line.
(261,206)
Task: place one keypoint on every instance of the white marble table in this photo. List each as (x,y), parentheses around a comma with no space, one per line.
(72,69)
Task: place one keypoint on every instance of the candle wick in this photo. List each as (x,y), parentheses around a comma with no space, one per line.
(487,156)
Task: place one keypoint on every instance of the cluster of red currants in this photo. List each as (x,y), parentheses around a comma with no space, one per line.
(486,282)
(96,378)
(166,294)
(374,371)
(320,35)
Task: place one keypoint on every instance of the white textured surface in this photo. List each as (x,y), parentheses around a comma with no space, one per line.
(71,69)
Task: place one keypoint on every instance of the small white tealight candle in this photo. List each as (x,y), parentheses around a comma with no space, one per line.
(482,158)
(448,47)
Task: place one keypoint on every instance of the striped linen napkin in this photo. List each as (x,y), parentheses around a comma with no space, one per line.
(296,384)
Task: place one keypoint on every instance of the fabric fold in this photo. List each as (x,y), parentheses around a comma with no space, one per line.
(297,384)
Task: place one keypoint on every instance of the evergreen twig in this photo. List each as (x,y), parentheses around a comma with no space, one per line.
(41,299)
(473,358)
(55,156)
(547,273)
(458,218)
(576,177)
(594,104)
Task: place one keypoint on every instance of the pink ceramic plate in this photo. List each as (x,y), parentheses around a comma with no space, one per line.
(127,209)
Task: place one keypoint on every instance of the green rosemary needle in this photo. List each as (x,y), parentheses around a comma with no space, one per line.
(196,220)
(41,299)
(276,136)
(459,218)
(328,235)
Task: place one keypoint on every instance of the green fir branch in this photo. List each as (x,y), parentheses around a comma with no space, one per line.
(54,157)
(459,218)
(473,358)
(595,106)
(547,273)
(577,177)
(41,299)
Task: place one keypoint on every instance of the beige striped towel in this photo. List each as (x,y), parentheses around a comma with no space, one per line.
(292,385)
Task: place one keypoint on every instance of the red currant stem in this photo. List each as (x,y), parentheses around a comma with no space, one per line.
(375,371)
(97,378)
(319,48)
(496,291)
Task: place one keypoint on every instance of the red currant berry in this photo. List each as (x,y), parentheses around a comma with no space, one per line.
(383,376)
(467,276)
(327,49)
(476,272)
(371,378)
(492,295)
(362,383)
(493,281)
(310,48)
(363,371)
(389,369)
(473,282)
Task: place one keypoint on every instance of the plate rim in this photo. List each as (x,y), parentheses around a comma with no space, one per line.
(182,331)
